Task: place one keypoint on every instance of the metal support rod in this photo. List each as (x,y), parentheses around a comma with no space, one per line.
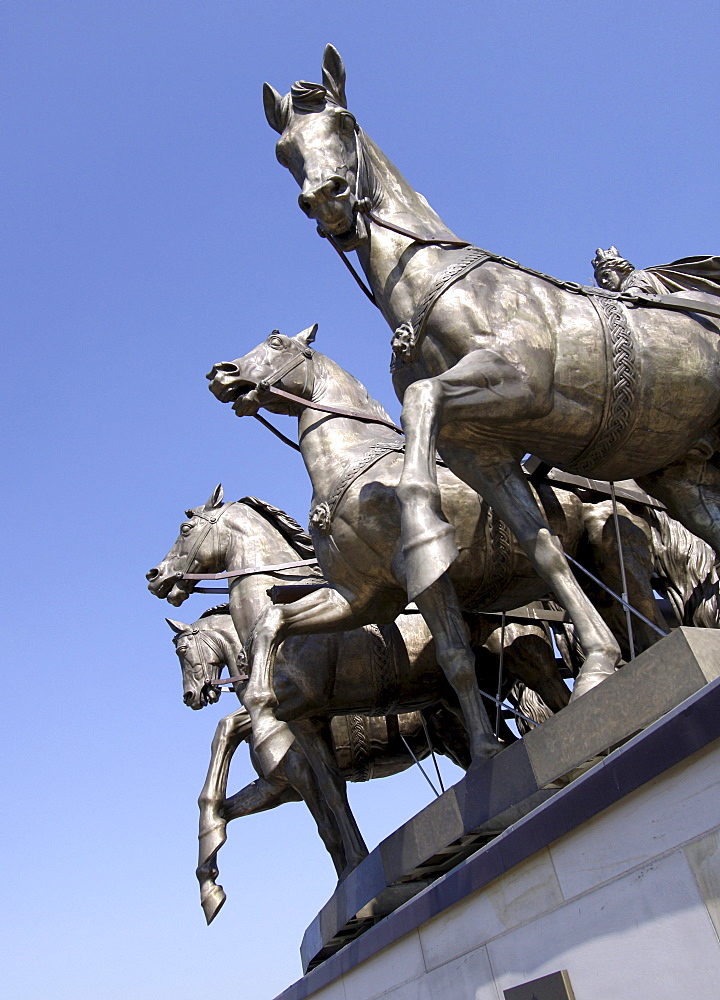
(501,663)
(409,750)
(616,596)
(508,708)
(628,616)
(432,752)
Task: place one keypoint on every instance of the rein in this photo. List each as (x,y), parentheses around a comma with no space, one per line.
(364,206)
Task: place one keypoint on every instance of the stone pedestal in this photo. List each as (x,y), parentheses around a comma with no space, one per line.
(609,884)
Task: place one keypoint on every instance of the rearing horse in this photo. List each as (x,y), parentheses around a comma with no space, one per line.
(493,360)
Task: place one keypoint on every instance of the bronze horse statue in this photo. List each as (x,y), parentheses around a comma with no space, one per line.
(364,747)
(493,360)
(376,670)
(354,459)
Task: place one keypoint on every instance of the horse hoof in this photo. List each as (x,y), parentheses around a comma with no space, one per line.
(586,682)
(428,554)
(211,839)
(212,901)
(486,749)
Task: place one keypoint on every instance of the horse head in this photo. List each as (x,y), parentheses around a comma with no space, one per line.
(318,145)
(201,660)
(194,550)
(278,361)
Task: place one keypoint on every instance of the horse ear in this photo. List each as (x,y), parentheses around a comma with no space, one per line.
(215,498)
(333,73)
(276,108)
(177,627)
(307,336)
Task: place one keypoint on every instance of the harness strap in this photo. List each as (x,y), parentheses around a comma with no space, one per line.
(322,514)
(409,336)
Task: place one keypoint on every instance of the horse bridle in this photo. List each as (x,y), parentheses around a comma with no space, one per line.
(203,640)
(211,520)
(305,355)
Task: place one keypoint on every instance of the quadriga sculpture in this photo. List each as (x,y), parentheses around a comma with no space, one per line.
(364,747)
(354,459)
(493,360)
(376,670)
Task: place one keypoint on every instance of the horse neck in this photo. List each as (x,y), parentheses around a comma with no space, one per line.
(225,635)
(250,540)
(386,253)
(328,442)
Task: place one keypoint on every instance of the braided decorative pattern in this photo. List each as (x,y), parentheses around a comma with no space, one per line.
(408,336)
(386,682)
(322,514)
(359,748)
(623,378)
(499,563)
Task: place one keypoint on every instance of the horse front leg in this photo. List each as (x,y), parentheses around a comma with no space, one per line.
(314,736)
(322,611)
(440,608)
(482,385)
(216,811)
(229,734)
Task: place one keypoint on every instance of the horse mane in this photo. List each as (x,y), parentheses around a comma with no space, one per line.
(287,526)
(219,609)
(688,571)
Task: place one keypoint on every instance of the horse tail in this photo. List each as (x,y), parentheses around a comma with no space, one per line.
(688,571)
(530,704)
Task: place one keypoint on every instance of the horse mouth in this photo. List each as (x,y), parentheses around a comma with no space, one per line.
(178,593)
(352,237)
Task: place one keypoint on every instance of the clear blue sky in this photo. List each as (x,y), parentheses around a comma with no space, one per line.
(148,232)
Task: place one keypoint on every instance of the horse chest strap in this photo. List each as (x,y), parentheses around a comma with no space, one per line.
(322,514)
(409,336)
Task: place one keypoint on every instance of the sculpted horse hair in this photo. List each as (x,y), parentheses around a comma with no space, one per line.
(493,360)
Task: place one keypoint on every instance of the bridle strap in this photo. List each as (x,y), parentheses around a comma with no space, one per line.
(211,519)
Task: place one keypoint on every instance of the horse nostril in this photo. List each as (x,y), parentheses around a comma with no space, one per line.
(188,697)
(305,204)
(226,368)
(337,186)
(152,574)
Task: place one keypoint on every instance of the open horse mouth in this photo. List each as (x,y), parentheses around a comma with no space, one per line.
(352,237)
(169,588)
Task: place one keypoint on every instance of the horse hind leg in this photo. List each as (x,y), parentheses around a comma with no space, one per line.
(501,481)
(440,608)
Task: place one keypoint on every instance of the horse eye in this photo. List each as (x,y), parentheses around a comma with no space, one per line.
(275,342)
(347,122)
(186,528)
